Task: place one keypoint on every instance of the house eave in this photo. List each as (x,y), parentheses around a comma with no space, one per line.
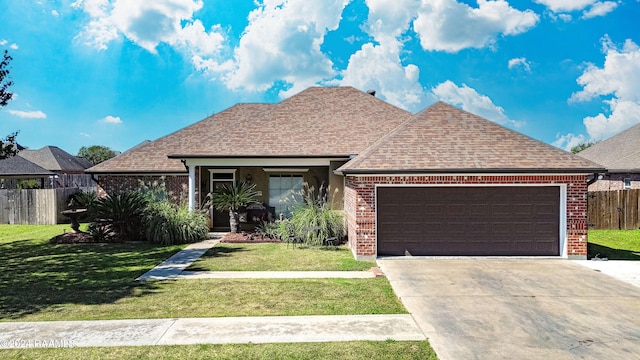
(467,171)
(196,156)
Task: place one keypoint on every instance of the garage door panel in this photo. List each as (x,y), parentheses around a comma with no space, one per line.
(469,220)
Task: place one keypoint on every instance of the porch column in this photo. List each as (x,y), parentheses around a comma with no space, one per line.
(192,187)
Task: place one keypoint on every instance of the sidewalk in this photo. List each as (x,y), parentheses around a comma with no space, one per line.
(624,270)
(268,329)
(182,331)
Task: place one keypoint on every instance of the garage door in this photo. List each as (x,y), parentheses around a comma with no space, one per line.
(474,221)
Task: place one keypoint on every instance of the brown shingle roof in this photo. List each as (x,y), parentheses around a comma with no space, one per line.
(619,153)
(319,121)
(443,138)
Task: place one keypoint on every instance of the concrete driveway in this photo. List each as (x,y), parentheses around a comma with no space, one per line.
(518,309)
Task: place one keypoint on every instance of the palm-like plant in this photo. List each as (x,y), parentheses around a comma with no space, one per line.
(233,197)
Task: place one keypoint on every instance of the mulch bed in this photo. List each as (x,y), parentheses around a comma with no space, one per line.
(245,237)
(72,238)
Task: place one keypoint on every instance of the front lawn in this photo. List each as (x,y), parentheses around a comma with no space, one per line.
(277,257)
(41,278)
(352,350)
(614,244)
(41,281)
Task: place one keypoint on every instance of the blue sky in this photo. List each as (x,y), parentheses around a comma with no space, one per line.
(118,72)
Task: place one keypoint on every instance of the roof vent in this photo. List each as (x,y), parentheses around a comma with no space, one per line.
(371,92)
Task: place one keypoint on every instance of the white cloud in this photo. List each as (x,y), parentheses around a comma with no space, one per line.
(569,141)
(111,120)
(85,135)
(619,81)
(282,43)
(378,67)
(622,116)
(55,13)
(599,9)
(14,46)
(447,25)
(3,42)
(620,75)
(28,114)
(473,102)
(566,5)
(150,23)
(520,62)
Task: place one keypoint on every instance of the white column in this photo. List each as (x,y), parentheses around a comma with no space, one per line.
(192,187)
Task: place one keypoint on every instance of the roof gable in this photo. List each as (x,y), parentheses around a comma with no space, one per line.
(443,138)
(619,152)
(319,121)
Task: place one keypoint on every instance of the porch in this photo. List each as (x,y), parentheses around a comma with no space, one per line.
(279,184)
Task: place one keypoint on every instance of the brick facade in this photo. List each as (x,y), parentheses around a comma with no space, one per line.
(360,204)
(615,182)
(177,185)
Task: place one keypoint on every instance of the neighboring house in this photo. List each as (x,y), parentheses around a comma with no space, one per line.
(620,154)
(15,170)
(68,169)
(440,182)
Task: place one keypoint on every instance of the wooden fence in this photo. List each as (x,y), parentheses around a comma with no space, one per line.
(617,209)
(35,206)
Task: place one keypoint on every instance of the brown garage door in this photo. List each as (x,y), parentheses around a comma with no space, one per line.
(480,221)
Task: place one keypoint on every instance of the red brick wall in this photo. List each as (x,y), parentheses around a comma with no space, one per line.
(360,204)
(177,185)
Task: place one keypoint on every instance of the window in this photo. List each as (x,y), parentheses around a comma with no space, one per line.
(285,193)
(627,183)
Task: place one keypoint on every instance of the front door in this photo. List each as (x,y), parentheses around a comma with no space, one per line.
(220,178)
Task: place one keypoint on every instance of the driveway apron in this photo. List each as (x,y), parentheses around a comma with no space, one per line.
(518,308)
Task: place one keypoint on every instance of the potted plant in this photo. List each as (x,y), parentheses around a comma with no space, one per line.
(232,198)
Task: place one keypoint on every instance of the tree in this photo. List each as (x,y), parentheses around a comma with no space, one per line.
(8,146)
(576,149)
(96,153)
(5,83)
(232,198)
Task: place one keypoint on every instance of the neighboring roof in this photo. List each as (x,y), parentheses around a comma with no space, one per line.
(443,138)
(18,166)
(55,159)
(619,153)
(317,122)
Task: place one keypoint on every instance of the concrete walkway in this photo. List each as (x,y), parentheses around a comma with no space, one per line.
(173,266)
(268,329)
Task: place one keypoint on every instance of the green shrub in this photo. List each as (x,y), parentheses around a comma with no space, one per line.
(316,213)
(121,217)
(169,224)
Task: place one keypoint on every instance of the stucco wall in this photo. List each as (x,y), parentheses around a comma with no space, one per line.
(360,205)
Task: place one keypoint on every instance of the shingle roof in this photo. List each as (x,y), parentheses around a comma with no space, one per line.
(55,159)
(319,121)
(443,138)
(18,166)
(619,153)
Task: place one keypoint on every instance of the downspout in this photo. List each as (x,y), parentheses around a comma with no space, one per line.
(593,179)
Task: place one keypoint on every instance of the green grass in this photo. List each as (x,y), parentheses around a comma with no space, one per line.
(404,350)
(41,281)
(277,257)
(238,297)
(614,244)
(37,277)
